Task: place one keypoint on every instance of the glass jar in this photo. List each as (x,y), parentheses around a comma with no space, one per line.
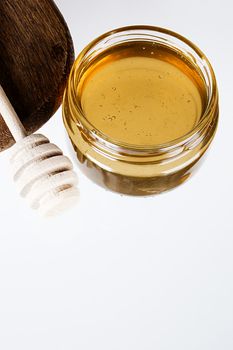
(130,168)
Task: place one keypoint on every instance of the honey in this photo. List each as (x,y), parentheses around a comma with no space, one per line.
(141,109)
(141,93)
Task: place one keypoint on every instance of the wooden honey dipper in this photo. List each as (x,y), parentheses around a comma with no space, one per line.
(42,173)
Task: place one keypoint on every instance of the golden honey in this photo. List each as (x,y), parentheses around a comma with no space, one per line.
(141,94)
(137,109)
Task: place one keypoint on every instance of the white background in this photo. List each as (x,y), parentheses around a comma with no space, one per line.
(126,273)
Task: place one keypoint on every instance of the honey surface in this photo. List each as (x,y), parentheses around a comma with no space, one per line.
(141,94)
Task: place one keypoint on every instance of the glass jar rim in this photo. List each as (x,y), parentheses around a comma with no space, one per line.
(209,113)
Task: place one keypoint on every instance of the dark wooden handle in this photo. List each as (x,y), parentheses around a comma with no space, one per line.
(36,54)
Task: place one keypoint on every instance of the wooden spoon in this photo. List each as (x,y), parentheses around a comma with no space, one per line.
(36,54)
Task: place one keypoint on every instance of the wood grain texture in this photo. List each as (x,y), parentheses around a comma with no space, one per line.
(36,54)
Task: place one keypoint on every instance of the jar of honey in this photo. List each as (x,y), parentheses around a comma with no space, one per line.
(141,109)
